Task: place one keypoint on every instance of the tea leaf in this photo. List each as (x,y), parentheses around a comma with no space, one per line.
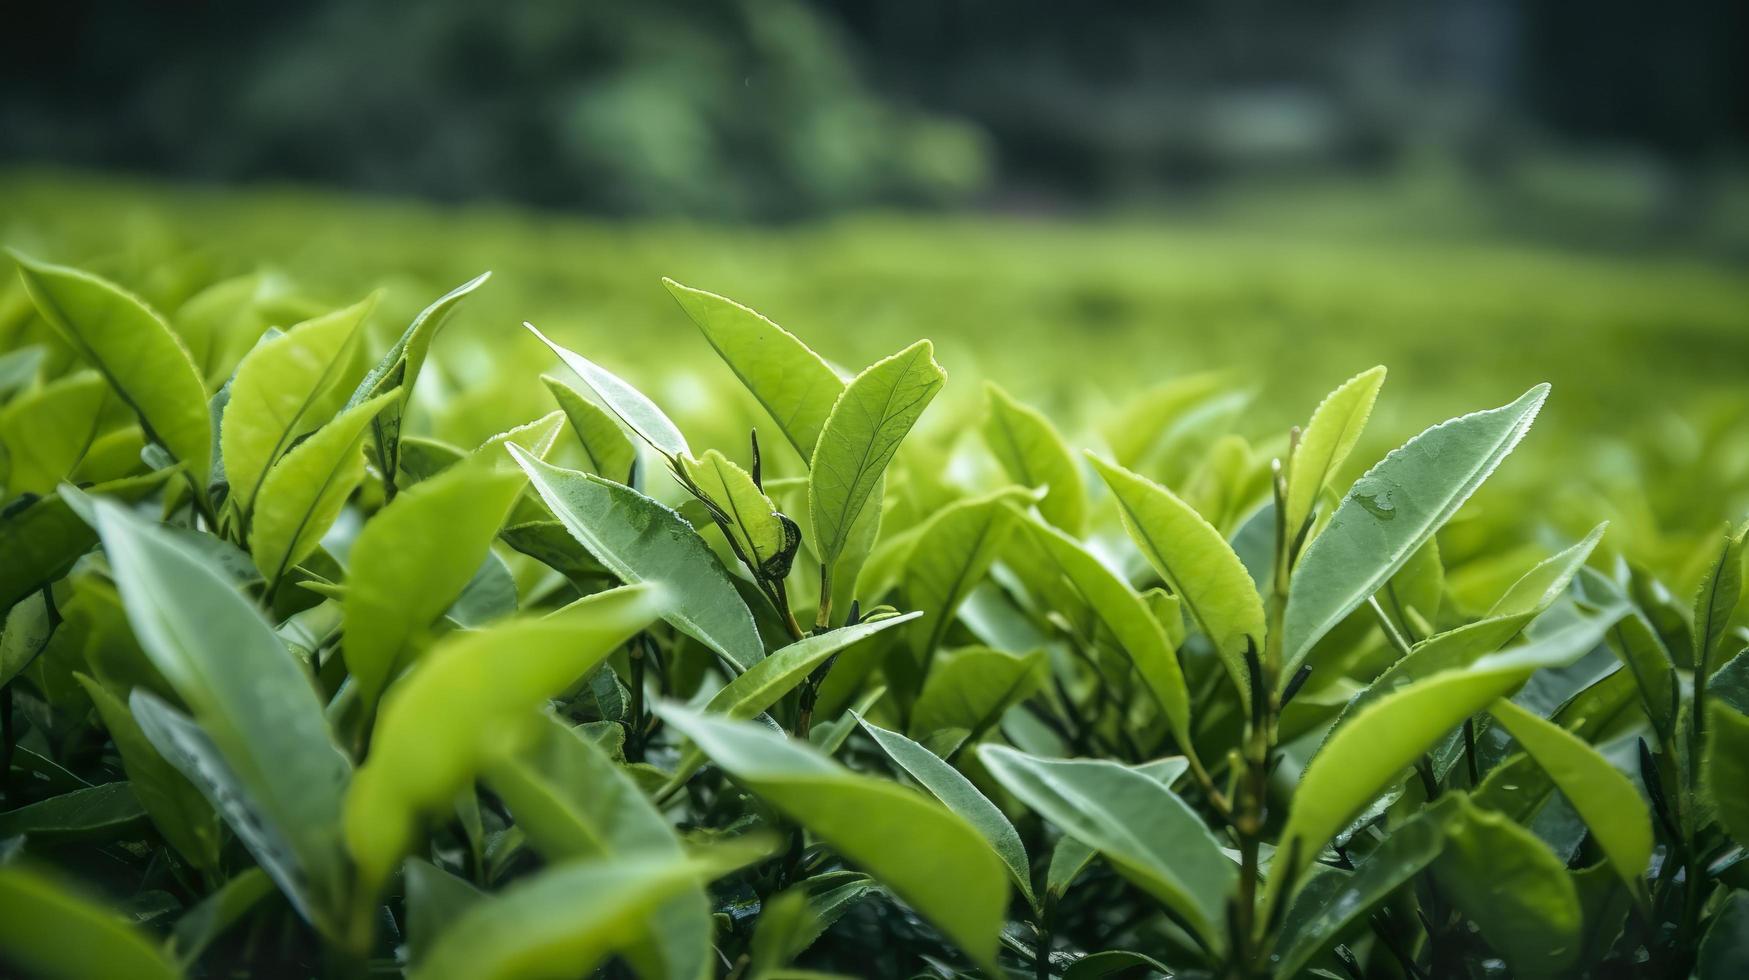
(871,417)
(753,521)
(609,452)
(1139,825)
(573,801)
(1390,512)
(1605,799)
(1197,564)
(135,350)
(1716,599)
(1518,894)
(399,368)
(435,899)
(53,932)
(929,856)
(249,695)
(1726,768)
(957,793)
(793,384)
(92,812)
(416,555)
(465,705)
(1329,437)
(281,392)
(1538,588)
(45,433)
(967,690)
(201,925)
(643,541)
(1034,455)
(954,550)
(627,403)
(565,920)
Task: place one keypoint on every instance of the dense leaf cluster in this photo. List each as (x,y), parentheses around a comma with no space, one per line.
(290,688)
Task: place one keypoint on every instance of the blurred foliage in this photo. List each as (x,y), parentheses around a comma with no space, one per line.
(1648,424)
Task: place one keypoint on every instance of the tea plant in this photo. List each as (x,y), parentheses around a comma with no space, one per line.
(292,689)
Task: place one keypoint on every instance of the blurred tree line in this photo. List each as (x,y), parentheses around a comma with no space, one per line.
(781,108)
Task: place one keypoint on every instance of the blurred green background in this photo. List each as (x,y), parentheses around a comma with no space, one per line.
(1083,201)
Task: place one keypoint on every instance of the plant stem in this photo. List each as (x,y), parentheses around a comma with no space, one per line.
(635,741)
(1398,640)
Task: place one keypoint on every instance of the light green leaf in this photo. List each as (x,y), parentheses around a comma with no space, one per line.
(967,690)
(435,900)
(1726,768)
(1150,835)
(135,350)
(870,418)
(954,551)
(467,703)
(609,452)
(627,403)
(795,386)
(751,519)
(283,390)
(1198,565)
(1371,746)
(1716,599)
(1138,634)
(51,932)
(415,556)
(1329,437)
(176,807)
(957,793)
(565,920)
(643,541)
(1605,799)
(1518,894)
(399,368)
(45,433)
(1537,589)
(929,856)
(304,492)
(573,801)
(249,695)
(1034,454)
(1390,512)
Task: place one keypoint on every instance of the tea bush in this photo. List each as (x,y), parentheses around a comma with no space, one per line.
(294,687)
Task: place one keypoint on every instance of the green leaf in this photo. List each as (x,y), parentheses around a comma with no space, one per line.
(1538,588)
(1605,799)
(957,793)
(573,801)
(627,403)
(99,812)
(435,900)
(464,705)
(1115,962)
(135,350)
(929,856)
(748,516)
(304,492)
(954,551)
(609,452)
(1312,926)
(1150,835)
(46,432)
(19,368)
(399,368)
(870,418)
(643,541)
(283,390)
(1370,747)
(1390,512)
(1724,951)
(1329,437)
(415,556)
(51,932)
(217,913)
(176,807)
(27,633)
(1034,454)
(1515,891)
(1726,768)
(765,682)
(967,690)
(1716,599)
(1197,564)
(793,384)
(1637,645)
(250,696)
(1123,613)
(562,922)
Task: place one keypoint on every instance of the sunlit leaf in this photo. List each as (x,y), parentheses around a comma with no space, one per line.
(1034,454)
(1329,437)
(627,403)
(50,931)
